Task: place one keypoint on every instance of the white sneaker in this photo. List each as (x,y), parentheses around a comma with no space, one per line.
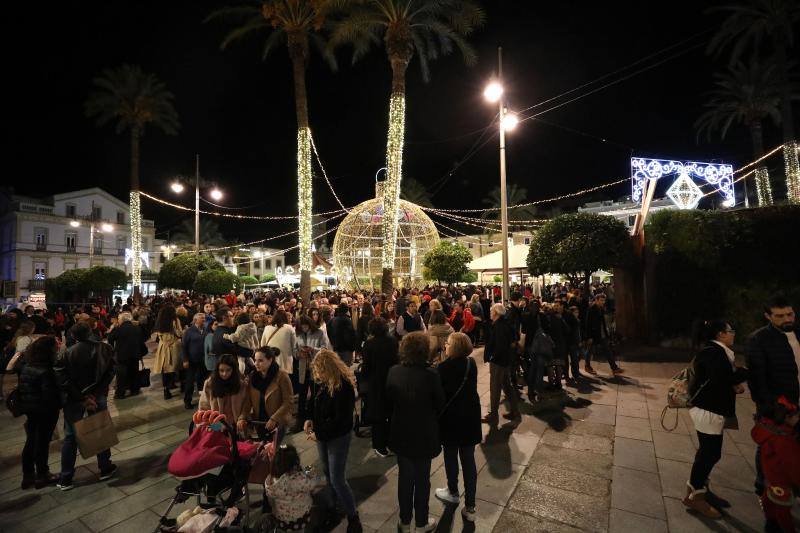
(445,495)
(468,513)
(430,527)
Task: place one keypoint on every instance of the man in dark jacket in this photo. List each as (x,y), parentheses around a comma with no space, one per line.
(129,348)
(380,354)
(342,334)
(499,354)
(193,355)
(220,345)
(773,359)
(597,335)
(84,373)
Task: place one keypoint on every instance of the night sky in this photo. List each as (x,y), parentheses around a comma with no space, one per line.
(237,112)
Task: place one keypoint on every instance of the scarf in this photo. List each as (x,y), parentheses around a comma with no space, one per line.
(261,384)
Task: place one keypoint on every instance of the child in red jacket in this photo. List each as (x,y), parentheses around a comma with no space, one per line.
(780,461)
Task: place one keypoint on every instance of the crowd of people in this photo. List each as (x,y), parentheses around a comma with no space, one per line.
(276,365)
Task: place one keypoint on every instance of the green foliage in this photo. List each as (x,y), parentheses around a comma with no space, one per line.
(497,278)
(470,277)
(215,282)
(78,282)
(180,271)
(721,264)
(248,280)
(104,278)
(578,244)
(414,191)
(447,262)
(267,277)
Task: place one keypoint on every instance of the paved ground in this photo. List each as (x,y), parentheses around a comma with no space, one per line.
(601,463)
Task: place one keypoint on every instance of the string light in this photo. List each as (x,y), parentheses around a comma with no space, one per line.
(394,169)
(683,194)
(265,239)
(136,239)
(759,160)
(474,219)
(304,196)
(763,187)
(790,158)
(229,215)
(325,174)
(282,252)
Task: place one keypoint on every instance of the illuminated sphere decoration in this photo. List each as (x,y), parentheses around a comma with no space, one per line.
(358,246)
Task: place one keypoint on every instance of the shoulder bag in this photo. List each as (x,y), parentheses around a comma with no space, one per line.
(458,390)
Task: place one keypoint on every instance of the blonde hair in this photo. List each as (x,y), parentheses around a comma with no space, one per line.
(460,345)
(435,305)
(328,369)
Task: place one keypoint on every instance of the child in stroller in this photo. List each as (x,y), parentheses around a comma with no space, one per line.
(215,463)
(290,490)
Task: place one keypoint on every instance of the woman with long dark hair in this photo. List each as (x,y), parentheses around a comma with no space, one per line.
(226,391)
(717,381)
(40,400)
(269,399)
(168,354)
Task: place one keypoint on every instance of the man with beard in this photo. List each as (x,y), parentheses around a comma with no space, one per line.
(773,359)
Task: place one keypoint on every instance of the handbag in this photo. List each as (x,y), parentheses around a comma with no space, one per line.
(144,375)
(95,433)
(262,461)
(458,390)
(12,403)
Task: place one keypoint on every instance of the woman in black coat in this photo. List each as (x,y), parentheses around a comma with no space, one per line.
(460,421)
(414,398)
(380,354)
(717,381)
(40,400)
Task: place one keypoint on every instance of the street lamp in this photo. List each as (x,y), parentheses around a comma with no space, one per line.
(177,187)
(74,223)
(507,121)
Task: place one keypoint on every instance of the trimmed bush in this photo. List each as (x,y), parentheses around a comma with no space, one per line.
(180,271)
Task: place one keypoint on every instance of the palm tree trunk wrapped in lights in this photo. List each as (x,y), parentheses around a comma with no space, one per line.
(763,188)
(791,150)
(304,208)
(136,241)
(391,190)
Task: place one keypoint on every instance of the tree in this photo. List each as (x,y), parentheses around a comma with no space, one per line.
(415,192)
(180,271)
(248,280)
(747,25)
(425,28)
(515,195)
(267,277)
(78,282)
(210,234)
(577,244)
(296,23)
(134,100)
(447,262)
(744,94)
(104,278)
(215,282)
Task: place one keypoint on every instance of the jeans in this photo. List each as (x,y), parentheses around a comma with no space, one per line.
(574,362)
(72,413)
(500,378)
(602,349)
(127,377)
(413,489)
(195,375)
(709,452)
(333,454)
(38,432)
(537,370)
(468,467)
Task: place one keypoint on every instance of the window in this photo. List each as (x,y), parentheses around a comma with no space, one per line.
(145,245)
(471,245)
(39,270)
(97,212)
(631,220)
(71,210)
(40,236)
(121,241)
(71,240)
(98,244)
(278,263)
(267,264)
(527,240)
(120,217)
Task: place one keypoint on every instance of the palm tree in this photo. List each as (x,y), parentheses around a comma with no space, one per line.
(210,234)
(516,195)
(422,28)
(415,192)
(133,99)
(749,23)
(744,94)
(297,24)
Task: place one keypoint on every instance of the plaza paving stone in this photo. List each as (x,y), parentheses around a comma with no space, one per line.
(595,459)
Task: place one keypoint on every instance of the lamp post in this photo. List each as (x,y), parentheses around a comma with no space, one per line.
(494,92)
(177,187)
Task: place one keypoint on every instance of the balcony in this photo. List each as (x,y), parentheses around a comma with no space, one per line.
(121,252)
(41,246)
(36,285)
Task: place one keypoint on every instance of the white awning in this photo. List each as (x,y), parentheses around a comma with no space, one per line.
(493,262)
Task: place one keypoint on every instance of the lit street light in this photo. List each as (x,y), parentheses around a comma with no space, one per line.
(507,122)
(107,228)
(177,187)
(215,193)
(74,223)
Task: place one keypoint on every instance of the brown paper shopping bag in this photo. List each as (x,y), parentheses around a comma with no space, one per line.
(95,433)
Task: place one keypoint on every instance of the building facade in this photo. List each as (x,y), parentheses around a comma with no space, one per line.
(482,244)
(625,210)
(42,237)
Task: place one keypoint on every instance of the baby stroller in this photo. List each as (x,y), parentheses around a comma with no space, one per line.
(213,466)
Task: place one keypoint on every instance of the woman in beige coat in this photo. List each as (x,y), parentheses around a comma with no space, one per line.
(269,399)
(227,391)
(438,331)
(168,354)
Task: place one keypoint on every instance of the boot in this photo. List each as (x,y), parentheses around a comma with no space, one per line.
(714,500)
(43,480)
(167,394)
(696,500)
(354,524)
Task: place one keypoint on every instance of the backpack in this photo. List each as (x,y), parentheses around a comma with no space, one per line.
(542,345)
(679,395)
